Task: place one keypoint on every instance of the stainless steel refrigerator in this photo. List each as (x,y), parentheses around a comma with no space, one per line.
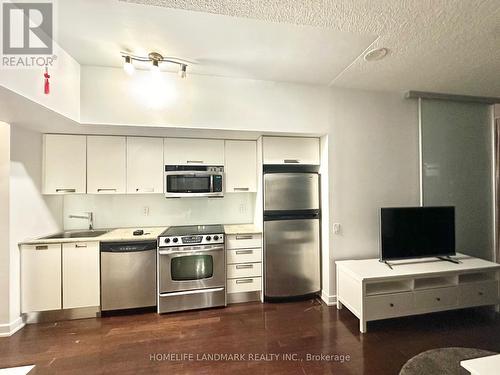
(291,233)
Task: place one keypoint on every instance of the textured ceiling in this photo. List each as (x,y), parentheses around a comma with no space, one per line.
(436,45)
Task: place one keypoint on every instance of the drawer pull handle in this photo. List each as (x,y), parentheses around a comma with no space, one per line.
(41,247)
(294,161)
(194,161)
(145,190)
(65,190)
(248,237)
(244,281)
(241,189)
(391,304)
(481,293)
(244,266)
(244,252)
(80,245)
(438,299)
(99,190)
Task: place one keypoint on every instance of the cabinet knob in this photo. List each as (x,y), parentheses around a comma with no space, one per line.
(481,293)
(391,304)
(438,299)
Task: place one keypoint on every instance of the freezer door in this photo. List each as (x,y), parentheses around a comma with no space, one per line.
(292,257)
(291,191)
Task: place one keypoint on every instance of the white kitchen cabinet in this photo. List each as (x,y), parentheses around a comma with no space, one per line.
(106,165)
(184,151)
(40,277)
(64,164)
(80,275)
(144,165)
(291,150)
(241,166)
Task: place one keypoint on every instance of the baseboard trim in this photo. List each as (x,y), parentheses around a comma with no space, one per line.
(328,300)
(9,329)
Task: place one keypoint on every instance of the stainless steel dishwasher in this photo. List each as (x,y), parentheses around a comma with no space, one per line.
(128,274)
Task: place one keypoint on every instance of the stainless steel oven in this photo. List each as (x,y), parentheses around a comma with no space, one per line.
(194,181)
(191,268)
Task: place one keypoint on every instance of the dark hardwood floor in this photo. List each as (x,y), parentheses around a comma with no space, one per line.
(127,344)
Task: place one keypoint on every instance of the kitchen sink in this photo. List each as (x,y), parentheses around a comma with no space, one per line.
(77,234)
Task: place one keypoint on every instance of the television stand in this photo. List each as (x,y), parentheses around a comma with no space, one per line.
(386,263)
(371,291)
(449,259)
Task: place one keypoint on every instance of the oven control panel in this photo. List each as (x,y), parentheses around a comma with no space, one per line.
(205,239)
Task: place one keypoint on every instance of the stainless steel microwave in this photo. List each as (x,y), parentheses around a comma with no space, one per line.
(182,181)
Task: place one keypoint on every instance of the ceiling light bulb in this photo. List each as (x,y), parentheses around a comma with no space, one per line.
(128,66)
(183,71)
(376,54)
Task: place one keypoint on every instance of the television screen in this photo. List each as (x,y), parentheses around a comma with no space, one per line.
(415,232)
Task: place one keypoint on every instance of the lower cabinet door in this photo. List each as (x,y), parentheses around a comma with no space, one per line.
(40,277)
(479,293)
(80,275)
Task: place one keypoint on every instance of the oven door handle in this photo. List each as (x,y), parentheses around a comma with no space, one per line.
(191,251)
(196,291)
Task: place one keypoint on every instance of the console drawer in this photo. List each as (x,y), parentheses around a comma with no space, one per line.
(388,305)
(479,293)
(244,256)
(243,241)
(249,284)
(235,271)
(436,299)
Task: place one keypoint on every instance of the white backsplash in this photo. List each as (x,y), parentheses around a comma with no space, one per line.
(113,211)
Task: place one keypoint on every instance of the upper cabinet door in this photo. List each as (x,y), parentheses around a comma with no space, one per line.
(241,166)
(106,165)
(183,151)
(291,150)
(64,164)
(144,165)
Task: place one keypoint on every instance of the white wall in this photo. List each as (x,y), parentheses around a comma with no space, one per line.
(110,96)
(64,97)
(31,214)
(4,228)
(114,211)
(373,157)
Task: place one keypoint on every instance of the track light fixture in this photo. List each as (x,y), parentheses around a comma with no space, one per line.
(155,59)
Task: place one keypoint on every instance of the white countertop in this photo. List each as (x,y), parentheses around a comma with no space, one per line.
(119,234)
(241,229)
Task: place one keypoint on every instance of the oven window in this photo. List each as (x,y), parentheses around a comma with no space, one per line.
(192,267)
(188,184)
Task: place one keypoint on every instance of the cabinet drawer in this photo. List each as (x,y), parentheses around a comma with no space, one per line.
(388,306)
(244,241)
(235,271)
(244,256)
(480,293)
(436,299)
(249,284)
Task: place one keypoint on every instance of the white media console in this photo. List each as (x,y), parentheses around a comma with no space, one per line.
(373,291)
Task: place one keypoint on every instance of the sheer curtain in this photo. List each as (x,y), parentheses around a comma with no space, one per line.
(457,169)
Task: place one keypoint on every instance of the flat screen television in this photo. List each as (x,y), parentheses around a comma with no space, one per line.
(417,232)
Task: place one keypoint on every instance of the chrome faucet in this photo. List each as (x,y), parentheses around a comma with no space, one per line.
(89,217)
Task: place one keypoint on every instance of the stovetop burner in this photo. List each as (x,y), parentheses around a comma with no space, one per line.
(188,230)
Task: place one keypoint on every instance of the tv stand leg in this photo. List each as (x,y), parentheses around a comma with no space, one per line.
(362,326)
(448,259)
(386,263)
(497,309)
